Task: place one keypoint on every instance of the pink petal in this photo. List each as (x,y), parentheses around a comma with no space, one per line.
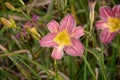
(76,49)
(77,32)
(23,33)
(119,31)
(118,15)
(67,23)
(116,11)
(57,53)
(53,26)
(47,41)
(100,25)
(35,18)
(106,12)
(27,24)
(106,37)
(17,35)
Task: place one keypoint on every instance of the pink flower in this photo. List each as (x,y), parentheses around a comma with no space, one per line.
(109,23)
(35,18)
(29,27)
(64,36)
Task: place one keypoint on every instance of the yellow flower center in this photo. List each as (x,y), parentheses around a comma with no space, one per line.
(113,24)
(63,38)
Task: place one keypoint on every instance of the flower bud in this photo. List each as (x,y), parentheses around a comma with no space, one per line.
(34,33)
(10,6)
(92,4)
(6,22)
(13,23)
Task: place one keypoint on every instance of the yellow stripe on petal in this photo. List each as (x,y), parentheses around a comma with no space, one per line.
(113,24)
(63,38)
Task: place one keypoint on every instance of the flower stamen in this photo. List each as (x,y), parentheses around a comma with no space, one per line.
(63,38)
(113,24)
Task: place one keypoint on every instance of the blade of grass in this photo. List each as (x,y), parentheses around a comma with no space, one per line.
(89,67)
(37,64)
(30,68)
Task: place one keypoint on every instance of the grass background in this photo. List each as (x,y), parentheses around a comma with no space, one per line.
(25,59)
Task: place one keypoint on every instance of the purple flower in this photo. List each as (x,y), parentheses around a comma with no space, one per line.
(64,37)
(35,18)
(23,33)
(109,23)
(28,27)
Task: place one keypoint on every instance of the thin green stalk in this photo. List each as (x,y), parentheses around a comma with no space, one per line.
(56,71)
(37,64)
(15,62)
(82,5)
(85,71)
(22,2)
(91,25)
(85,65)
(102,53)
(99,2)
(118,48)
(112,66)
(59,8)
(25,15)
(2,30)
(33,72)
(118,45)
(101,64)
(19,67)
(89,67)
(21,11)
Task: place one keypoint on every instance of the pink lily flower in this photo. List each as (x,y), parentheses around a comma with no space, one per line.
(64,37)
(109,23)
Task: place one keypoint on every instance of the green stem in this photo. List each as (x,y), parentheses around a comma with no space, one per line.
(22,2)
(102,53)
(89,67)
(118,46)
(101,64)
(21,11)
(112,67)
(25,15)
(2,31)
(91,24)
(56,71)
(32,70)
(37,64)
(85,71)
(58,7)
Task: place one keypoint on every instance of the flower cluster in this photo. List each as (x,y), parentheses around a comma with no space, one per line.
(29,27)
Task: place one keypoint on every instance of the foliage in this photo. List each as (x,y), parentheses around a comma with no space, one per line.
(22,57)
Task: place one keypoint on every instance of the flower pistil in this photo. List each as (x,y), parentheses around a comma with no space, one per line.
(113,24)
(63,38)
